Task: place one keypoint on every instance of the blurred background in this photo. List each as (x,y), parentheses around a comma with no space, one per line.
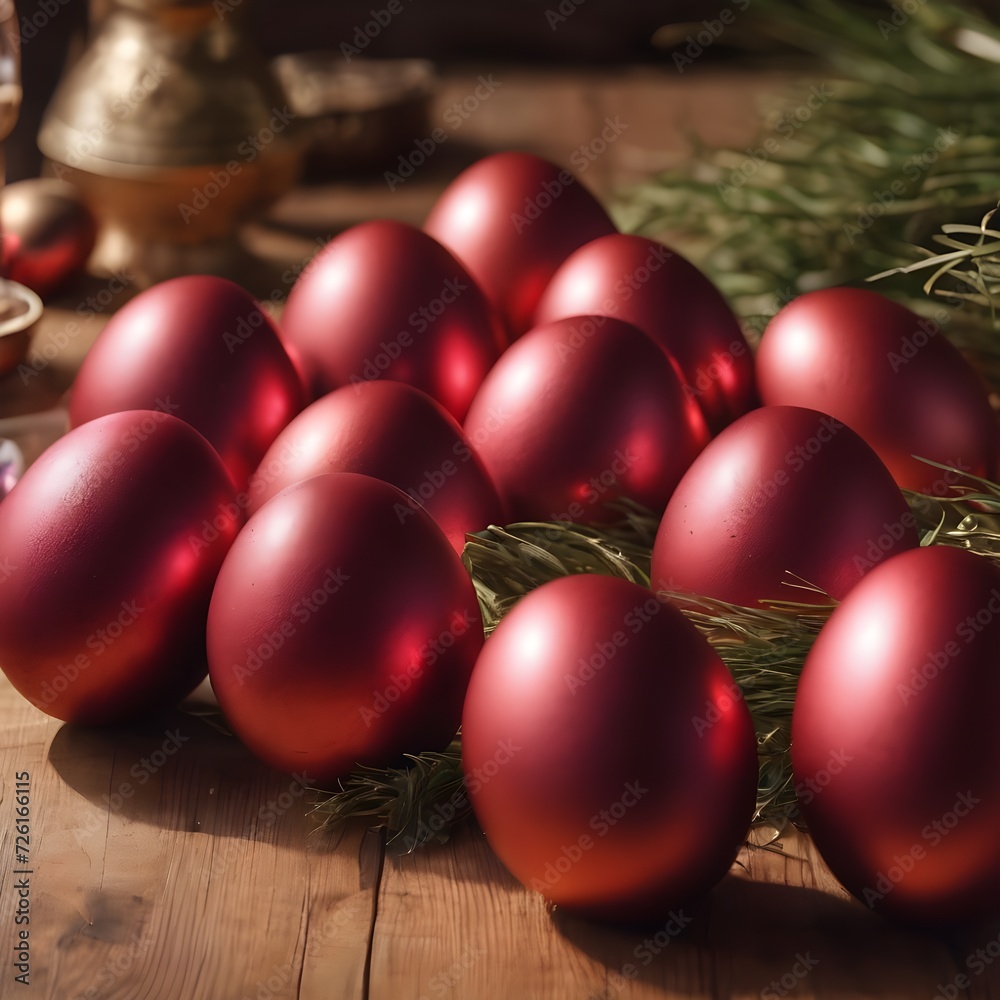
(602,33)
(782,146)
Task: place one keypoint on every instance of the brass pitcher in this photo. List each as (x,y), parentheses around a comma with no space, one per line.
(177,131)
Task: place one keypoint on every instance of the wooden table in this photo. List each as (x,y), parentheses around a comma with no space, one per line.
(167,864)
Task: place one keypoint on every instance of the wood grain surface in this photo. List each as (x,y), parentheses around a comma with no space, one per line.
(167,864)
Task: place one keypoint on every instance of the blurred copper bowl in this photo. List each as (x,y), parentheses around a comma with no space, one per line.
(20,310)
(356,112)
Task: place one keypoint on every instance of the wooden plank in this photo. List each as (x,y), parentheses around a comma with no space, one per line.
(452,923)
(167,863)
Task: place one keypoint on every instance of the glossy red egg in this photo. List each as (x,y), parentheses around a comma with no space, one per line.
(589,756)
(200,348)
(110,545)
(783,490)
(393,432)
(340,633)
(895,742)
(887,373)
(384,300)
(512,219)
(653,287)
(580,412)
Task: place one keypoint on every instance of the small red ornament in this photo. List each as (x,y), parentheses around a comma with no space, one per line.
(512,219)
(47,233)
(653,287)
(385,300)
(781,489)
(887,373)
(895,742)
(395,433)
(202,349)
(580,412)
(608,754)
(112,541)
(340,633)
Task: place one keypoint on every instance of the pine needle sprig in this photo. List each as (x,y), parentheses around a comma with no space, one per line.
(506,563)
(764,649)
(969,521)
(971,262)
(904,143)
(418,803)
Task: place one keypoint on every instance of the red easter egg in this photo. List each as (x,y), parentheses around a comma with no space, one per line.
(586,766)
(385,300)
(580,412)
(895,742)
(393,432)
(782,490)
(887,373)
(339,633)
(512,219)
(202,349)
(654,288)
(111,543)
